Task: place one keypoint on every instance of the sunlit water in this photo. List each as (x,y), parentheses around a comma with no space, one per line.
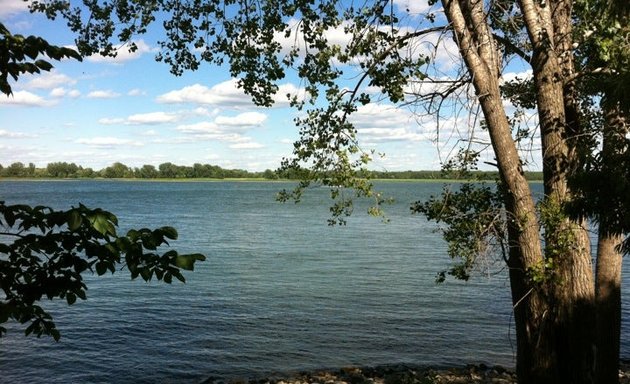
(280,292)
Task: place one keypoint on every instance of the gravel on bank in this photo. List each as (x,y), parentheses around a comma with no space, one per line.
(401,374)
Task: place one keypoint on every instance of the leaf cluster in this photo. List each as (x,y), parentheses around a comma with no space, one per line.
(474,224)
(44,254)
(247,36)
(20,55)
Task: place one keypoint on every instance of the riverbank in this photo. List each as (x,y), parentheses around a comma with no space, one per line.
(401,374)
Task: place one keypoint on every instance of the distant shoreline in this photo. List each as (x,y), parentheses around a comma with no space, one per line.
(208,172)
(236,179)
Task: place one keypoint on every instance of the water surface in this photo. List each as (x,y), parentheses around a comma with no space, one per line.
(281,291)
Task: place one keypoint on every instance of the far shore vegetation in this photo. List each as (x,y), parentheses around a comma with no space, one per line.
(170,171)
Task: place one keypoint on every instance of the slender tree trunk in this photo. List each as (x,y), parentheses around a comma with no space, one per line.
(608,307)
(609,258)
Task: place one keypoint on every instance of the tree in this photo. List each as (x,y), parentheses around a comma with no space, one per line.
(147,172)
(16,169)
(546,246)
(62,169)
(44,252)
(117,170)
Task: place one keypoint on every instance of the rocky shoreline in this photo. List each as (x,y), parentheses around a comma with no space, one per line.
(401,374)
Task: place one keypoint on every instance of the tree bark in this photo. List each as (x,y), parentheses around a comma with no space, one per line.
(608,307)
(609,258)
(554,321)
(536,360)
(572,294)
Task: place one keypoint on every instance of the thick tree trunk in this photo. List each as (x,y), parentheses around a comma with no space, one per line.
(554,321)
(572,294)
(609,258)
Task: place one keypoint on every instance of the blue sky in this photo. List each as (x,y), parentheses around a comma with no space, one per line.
(131,109)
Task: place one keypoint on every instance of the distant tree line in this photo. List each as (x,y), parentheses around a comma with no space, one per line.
(119,170)
(64,170)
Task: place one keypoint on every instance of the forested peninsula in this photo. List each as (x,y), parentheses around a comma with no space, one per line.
(64,170)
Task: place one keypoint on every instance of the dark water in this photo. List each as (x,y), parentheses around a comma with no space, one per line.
(281,291)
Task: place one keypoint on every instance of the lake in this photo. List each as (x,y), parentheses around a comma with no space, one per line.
(281,291)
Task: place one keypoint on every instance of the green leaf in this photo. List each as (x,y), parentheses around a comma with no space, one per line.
(146,274)
(187,262)
(81,294)
(101,268)
(179,277)
(55,334)
(43,64)
(74,220)
(30,328)
(71,298)
(101,223)
(169,232)
(31,50)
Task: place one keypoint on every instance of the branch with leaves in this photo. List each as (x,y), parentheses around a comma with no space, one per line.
(44,254)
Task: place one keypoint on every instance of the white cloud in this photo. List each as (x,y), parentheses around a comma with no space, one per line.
(14,135)
(27,99)
(12,7)
(381,116)
(63,92)
(150,132)
(152,118)
(201,111)
(226,94)
(386,123)
(203,127)
(107,142)
(225,128)
(123,54)
(74,93)
(58,92)
(243,120)
(103,94)
(49,80)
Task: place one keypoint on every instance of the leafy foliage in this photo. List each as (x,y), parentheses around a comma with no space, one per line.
(44,253)
(248,36)
(19,55)
(474,225)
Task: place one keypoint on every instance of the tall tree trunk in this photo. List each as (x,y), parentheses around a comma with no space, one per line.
(536,360)
(608,306)
(609,258)
(567,242)
(554,321)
